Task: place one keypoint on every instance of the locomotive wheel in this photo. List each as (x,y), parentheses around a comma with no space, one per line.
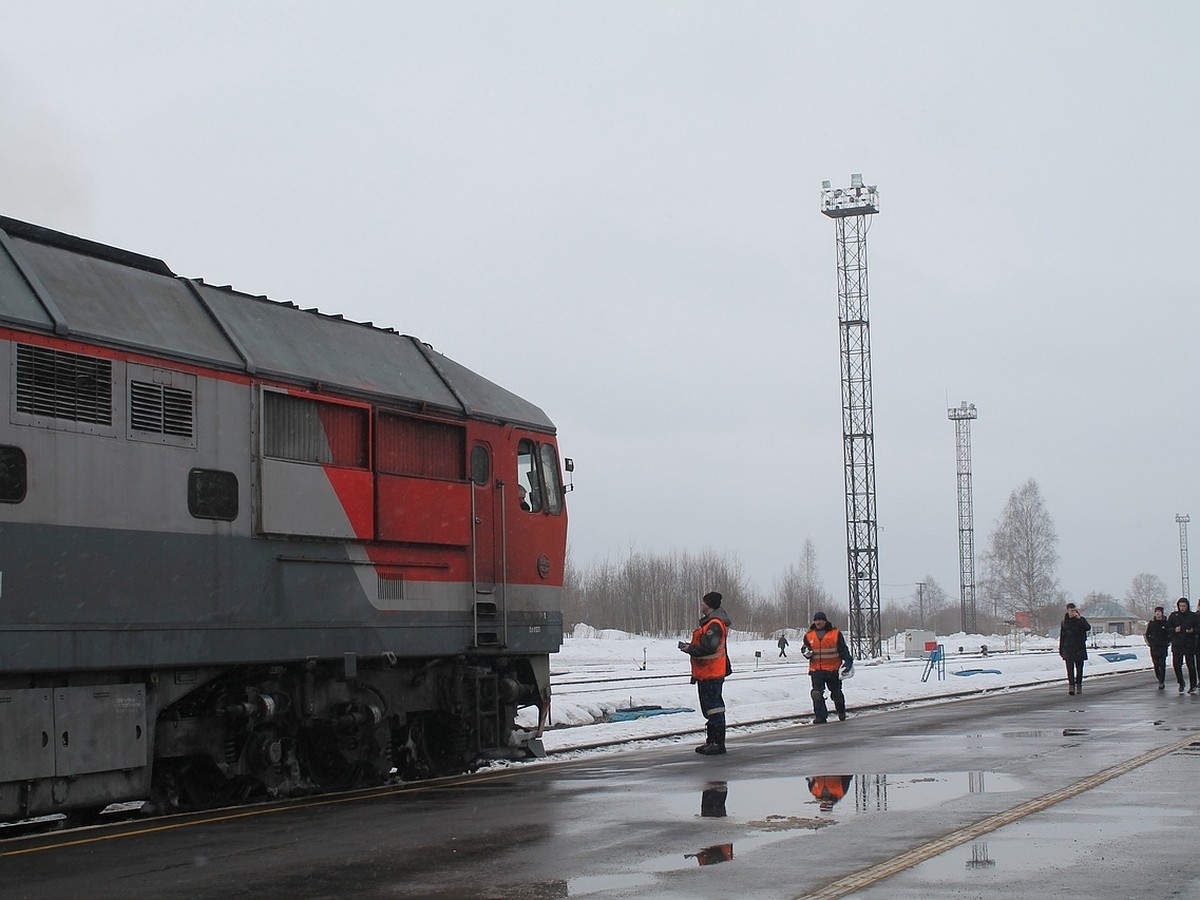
(439,746)
(201,785)
(329,769)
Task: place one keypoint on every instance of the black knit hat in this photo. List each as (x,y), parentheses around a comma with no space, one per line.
(819,616)
(712,600)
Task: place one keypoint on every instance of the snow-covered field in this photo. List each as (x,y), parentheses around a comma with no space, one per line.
(638,671)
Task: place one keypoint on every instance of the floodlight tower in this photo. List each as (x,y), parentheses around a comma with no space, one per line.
(961,417)
(1183,552)
(850,209)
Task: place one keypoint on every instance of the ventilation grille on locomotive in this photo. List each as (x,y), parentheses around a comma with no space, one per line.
(64,385)
(160,409)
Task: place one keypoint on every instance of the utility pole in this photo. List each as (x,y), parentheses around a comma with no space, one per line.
(851,208)
(921,602)
(1183,552)
(961,417)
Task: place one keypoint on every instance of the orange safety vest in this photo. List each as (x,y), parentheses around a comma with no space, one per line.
(715,664)
(825,657)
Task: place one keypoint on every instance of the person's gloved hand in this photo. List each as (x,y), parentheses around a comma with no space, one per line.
(806,652)
(683,645)
(847,672)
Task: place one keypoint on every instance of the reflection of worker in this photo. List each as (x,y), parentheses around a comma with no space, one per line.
(712,801)
(710,855)
(829,661)
(710,666)
(828,789)
(523,493)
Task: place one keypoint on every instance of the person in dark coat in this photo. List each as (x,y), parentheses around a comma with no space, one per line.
(708,649)
(1072,646)
(1158,639)
(1182,626)
(783,645)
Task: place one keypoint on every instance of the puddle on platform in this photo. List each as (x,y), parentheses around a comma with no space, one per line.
(804,801)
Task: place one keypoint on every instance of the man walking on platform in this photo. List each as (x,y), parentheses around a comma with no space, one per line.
(829,661)
(710,666)
(1158,639)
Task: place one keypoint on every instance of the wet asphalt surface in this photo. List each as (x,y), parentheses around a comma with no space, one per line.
(661,821)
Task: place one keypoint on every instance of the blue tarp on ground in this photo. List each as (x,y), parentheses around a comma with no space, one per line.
(1118,657)
(641,712)
(979,672)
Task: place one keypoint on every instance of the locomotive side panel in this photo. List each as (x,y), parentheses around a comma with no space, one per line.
(293,551)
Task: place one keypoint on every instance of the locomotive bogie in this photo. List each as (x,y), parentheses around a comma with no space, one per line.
(250,549)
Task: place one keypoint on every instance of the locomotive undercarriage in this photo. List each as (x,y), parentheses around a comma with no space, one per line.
(224,736)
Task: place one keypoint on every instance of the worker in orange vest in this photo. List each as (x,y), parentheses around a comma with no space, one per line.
(710,666)
(829,661)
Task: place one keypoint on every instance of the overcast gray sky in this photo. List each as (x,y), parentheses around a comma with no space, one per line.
(612,208)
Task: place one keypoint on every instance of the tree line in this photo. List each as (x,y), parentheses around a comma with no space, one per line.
(657,593)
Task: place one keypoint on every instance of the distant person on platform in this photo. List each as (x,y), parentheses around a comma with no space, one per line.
(829,661)
(710,667)
(783,645)
(1158,639)
(1182,625)
(1072,646)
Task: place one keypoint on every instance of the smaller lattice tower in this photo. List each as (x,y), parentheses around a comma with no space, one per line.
(961,416)
(1183,552)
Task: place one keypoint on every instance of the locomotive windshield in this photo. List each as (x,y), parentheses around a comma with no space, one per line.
(537,473)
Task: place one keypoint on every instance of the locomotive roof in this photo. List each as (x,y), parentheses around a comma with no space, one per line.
(77,288)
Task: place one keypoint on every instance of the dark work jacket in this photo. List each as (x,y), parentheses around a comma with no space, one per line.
(1183,641)
(1072,638)
(1158,636)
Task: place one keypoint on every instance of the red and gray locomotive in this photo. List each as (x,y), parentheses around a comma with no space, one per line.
(248,549)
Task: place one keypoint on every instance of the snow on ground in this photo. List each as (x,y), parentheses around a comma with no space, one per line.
(626,670)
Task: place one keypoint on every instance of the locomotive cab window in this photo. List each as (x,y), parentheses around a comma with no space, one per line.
(13,476)
(212,494)
(538,484)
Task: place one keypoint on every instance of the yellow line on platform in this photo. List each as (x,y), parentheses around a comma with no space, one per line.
(874,874)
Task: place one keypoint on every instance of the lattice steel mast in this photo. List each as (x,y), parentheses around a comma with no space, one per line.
(961,417)
(1183,552)
(850,208)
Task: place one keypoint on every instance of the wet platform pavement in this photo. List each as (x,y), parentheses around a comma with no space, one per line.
(884,805)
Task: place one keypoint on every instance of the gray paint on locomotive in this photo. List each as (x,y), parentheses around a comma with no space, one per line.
(102,297)
(110,579)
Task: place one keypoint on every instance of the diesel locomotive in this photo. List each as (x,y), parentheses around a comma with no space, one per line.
(248,549)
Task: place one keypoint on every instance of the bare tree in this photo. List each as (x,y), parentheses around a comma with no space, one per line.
(1022,558)
(799,592)
(1145,592)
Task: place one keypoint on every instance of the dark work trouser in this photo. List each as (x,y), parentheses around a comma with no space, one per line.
(1181,656)
(1160,665)
(713,707)
(1074,670)
(820,681)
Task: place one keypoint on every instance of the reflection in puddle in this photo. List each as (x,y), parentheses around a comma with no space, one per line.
(828,789)
(712,801)
(979,857)
(709,856)
(804,800)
